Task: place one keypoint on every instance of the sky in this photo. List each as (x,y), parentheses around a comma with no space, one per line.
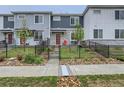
(54,8)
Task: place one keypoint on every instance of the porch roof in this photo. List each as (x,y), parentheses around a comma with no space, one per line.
(6,30)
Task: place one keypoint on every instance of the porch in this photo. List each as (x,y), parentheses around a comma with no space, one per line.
(57,37)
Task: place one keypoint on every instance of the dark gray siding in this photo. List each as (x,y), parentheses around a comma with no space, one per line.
(64,23)
(81,21)
(6,23)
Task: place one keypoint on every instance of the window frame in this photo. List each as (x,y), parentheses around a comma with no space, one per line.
(98,33)
(119,33)
(118,17)
(55,18)
(75,18)
(94,11)
(21,18)
(10,20)
(38,19)
(39,35)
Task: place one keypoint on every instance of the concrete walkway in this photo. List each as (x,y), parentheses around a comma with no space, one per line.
(97,69)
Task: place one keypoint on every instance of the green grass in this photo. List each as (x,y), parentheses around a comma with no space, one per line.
(102,80)
(19,50)
(28,81)
(73,52)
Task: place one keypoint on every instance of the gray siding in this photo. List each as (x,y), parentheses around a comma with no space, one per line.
(64,23)
(31,22)
(6,23)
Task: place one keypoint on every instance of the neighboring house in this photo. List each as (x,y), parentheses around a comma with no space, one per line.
(56,27)
(63,27)
(104,22)
(36,21)
(7,28)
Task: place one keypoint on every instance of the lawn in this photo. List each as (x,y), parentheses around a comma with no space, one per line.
(73,52)
(18,50)
(28,81)
(102,80)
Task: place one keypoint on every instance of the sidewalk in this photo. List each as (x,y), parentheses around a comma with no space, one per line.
(52,70)
(97,69)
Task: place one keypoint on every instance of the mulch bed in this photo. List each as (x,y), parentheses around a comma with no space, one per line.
(96,60)
(70,81)
(15,62)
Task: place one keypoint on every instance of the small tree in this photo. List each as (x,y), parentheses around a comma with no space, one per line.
(79,33)
(24,33)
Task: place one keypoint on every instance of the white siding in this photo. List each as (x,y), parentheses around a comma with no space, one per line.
(106,21)
(2,36)
(1,22)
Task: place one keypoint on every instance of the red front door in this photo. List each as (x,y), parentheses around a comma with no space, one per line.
(9,38)
(58,39)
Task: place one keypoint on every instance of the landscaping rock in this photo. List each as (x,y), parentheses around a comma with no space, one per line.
(70,81)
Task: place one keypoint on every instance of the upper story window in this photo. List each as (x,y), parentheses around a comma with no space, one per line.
(119,33)
(21,17)
(39,19)
(97,11)
(56,18)
(119,14)
(10,18)
(74,21)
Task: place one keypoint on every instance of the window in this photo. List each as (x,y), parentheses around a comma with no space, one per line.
(97,11)
(39,19)
(74,21)
(98,33)
(10,18)
(21,17)
(37,35)
(56,18)
(119,14)
(119,33)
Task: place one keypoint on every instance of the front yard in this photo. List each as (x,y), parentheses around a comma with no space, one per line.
(71,56)
(18,56)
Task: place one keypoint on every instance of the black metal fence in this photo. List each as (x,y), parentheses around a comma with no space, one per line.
(71,51)
(107,50)
(99,48)
(8,51)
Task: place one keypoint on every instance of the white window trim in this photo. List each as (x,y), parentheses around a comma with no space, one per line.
(39,15)
(21,15)
(98,34)
(119,34)
(75,23)
(96,10)
(10,20)
(59,19)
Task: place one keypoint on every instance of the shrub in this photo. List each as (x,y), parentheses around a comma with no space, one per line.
(32,59)
(19,57)
(2,58)
(121,58)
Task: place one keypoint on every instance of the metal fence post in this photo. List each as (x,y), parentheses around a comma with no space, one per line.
(35,50)
(48,52)
(79,51)
(95,46)
(89,43)
(108,52)
(6,50)
(59,52)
